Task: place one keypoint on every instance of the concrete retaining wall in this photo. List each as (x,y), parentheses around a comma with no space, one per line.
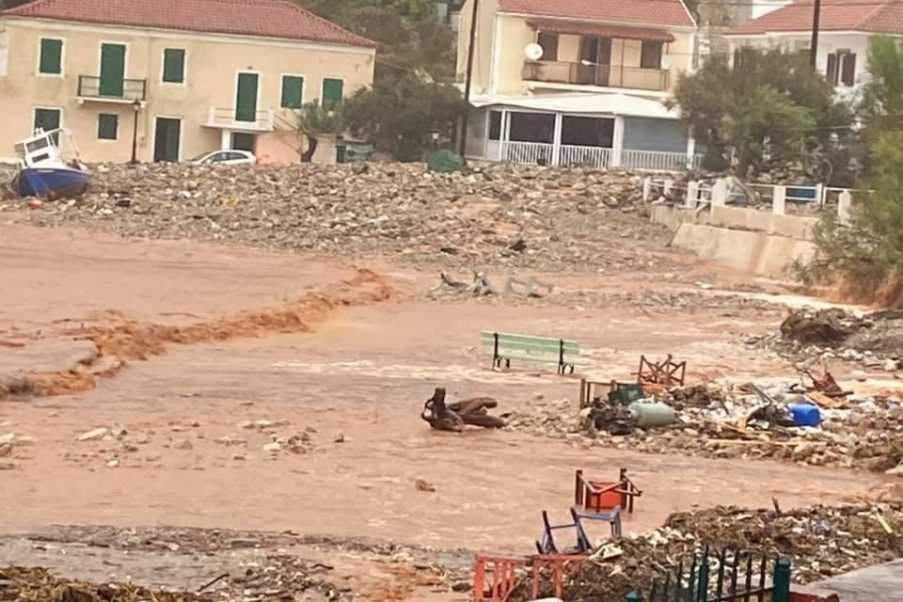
(763,221)
(756,252)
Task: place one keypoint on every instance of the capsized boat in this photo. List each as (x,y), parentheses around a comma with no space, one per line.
(44,171)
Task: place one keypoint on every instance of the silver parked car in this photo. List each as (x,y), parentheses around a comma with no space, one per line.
(226,157)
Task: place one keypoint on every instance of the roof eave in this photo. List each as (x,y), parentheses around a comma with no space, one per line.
(365,43)
(681,28)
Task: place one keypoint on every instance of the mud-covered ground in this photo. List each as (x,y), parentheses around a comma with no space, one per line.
(181,384)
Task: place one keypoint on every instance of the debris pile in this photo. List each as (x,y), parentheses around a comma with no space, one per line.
(820,541)
(491,215)
(480,286)
(874,340)
(734,422)
(233,566)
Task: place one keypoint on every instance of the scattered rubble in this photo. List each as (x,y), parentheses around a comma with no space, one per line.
(723,421)
(873,340)
(820,541)
(259,565)
(493,214)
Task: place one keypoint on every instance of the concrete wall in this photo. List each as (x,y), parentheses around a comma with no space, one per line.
(212,64)
(754,241)
(755,252)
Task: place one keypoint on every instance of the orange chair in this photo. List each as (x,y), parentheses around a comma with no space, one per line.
(605,496)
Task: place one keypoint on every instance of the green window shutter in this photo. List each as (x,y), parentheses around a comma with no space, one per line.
(51,56)
(174,65)
(332,93)
(108,126)
(292,92)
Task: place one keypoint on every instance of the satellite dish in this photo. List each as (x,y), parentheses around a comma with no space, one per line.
(533,52)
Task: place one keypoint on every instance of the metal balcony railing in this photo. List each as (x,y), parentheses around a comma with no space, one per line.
(93,87)
(613,76)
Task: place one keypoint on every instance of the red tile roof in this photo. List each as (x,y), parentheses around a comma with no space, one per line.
(266,18)
(654,13)
(602,30)
(880,16)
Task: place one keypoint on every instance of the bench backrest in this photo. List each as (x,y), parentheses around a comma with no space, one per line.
(528,344)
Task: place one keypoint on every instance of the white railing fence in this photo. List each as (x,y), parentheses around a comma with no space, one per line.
(584,156)
(697,194)
(571,155)
(531,153)
(658,161)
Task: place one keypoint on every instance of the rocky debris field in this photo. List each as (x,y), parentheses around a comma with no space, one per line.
(240,566)
(725,421)
(873,340)
(820,541)
(490,215)
(115,446)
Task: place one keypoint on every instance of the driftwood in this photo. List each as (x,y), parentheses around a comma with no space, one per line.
(453,417)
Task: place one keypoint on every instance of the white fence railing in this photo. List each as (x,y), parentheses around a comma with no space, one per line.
(570,155)
(697,195)
(658,161)
(532,153)
(584,156)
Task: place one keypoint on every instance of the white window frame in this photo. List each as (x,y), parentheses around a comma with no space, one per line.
(184,81)
(323,87)
(153,139)
(118,128)
(37,67)
(282,77)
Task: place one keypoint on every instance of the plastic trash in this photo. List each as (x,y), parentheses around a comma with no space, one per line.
(805,414)
(652,413)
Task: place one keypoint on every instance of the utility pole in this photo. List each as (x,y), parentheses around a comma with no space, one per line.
(462,142)
(813,50)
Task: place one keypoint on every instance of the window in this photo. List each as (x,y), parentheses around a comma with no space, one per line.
(292,92)
(107,126)
(842,68)
(173,65)
(51,60)
(651,55)
(332,93)
(495,125)
(48,119)
(549,43)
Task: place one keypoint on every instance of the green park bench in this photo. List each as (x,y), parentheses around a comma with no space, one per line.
(504,347)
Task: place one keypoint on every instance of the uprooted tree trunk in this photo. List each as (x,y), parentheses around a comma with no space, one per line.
(453,417)
(312,144)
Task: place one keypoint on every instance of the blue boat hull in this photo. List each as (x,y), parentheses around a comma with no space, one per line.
(51,182)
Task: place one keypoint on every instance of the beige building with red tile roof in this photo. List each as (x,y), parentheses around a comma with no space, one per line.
(565,82)
(846,26)
(174,78)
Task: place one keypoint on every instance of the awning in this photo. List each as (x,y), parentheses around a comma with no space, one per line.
(583,104)
(601,30)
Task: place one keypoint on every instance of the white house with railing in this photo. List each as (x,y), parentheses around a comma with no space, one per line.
(571,83)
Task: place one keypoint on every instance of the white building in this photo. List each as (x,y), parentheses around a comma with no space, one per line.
(846,27)
(572,82)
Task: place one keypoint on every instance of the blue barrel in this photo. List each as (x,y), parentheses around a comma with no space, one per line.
(805,414)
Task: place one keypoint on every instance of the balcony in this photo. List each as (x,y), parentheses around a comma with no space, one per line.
(230,119)
(92,88)
(608,76)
